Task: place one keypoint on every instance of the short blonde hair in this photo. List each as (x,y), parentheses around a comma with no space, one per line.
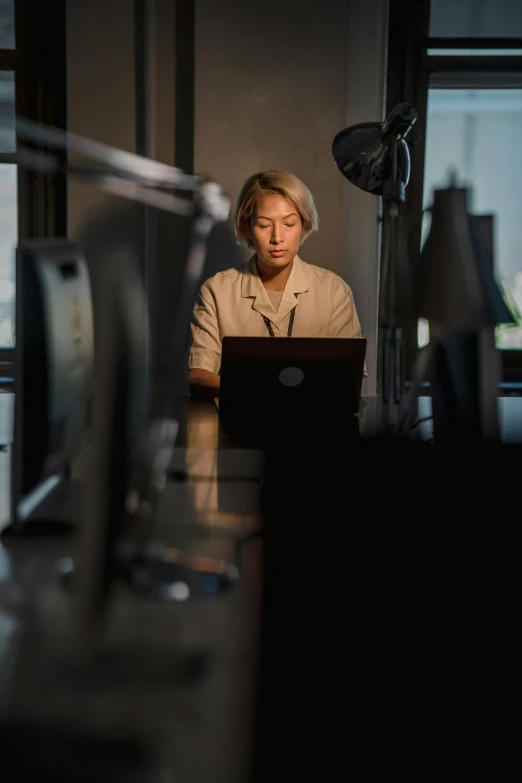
(274,182)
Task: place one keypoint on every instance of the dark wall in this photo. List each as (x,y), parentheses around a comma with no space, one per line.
(274,82)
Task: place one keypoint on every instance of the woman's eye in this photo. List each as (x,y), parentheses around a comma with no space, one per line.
(289,225)
(263,226)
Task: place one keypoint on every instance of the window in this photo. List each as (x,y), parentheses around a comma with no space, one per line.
(7,24)
(8,239)
(475,133)
(8,174)
(460,63)
(475,18)
(32,84)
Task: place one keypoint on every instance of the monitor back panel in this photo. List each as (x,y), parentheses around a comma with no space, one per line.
(54,333)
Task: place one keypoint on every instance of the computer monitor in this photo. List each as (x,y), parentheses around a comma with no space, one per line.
(274,389)
(133,426)
(53,365)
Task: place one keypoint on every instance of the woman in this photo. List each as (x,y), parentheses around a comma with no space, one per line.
(275,294)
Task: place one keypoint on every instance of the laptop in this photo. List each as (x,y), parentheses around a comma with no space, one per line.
(278,388)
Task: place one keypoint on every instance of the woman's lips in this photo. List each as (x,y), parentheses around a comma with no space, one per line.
(277,253)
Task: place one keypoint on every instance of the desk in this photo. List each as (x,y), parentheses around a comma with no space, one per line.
(344,571)
(212,725)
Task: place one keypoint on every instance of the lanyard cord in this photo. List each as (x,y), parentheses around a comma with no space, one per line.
(290,325)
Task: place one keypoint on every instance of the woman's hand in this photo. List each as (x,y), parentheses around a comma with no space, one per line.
(203,384)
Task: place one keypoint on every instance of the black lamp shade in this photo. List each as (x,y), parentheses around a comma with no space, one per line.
(363,154)
(454,284)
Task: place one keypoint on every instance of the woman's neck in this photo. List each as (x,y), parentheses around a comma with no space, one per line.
(274,278)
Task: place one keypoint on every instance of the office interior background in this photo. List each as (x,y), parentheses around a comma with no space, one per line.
(225,89)
(196,84)
(228,89)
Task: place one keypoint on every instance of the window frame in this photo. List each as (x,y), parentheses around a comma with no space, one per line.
(409,78)
(10,60)
(38,61)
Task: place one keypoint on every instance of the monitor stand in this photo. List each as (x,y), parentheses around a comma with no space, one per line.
(47,511)
(37,528)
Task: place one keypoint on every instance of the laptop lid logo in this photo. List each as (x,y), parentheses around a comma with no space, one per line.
(291,376)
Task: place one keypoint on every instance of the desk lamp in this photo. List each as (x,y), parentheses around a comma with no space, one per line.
(117,530)
(374,156)
(454,288)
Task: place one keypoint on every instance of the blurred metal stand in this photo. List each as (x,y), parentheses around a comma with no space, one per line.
(75,671)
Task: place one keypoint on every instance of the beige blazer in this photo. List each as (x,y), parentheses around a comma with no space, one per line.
(233,303)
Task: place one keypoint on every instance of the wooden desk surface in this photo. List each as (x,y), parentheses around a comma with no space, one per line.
(211,724)
(214,499)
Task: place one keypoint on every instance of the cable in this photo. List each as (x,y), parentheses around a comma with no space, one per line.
(182,476)
(421,421)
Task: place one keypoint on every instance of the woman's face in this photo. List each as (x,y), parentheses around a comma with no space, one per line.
(276,230)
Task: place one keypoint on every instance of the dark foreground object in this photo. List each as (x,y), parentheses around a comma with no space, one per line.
(388,633)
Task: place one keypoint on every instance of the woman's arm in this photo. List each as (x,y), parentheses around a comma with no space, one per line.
(203,384)
(205,352)
(344,321)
